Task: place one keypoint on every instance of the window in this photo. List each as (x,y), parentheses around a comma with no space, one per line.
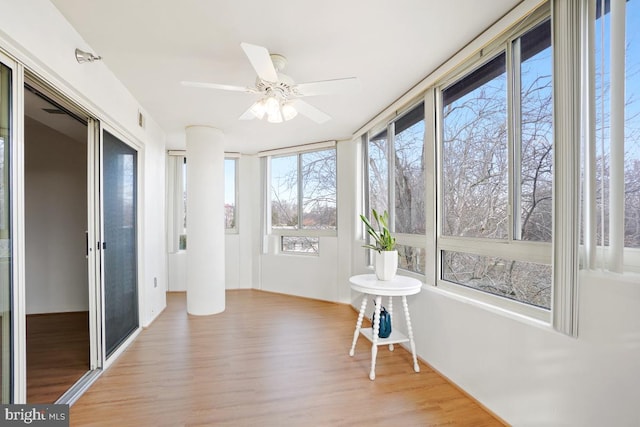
(395,169)
(303,198)
(496,176)
(300,244)
(230,194)
(617,118)
(177,199)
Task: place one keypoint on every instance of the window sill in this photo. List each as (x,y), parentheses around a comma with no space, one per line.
(503,306)
(303,232)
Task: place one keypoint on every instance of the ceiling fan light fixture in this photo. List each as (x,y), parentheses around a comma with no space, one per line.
(279,94)
(275,116)
(259,109)
(288,111)
(272,105)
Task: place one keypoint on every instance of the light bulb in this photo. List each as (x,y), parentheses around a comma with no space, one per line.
(272,105)
(288,111)
(274,116)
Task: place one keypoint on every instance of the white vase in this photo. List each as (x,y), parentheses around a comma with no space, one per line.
(386,264)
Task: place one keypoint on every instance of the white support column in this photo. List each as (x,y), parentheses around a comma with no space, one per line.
(205,221)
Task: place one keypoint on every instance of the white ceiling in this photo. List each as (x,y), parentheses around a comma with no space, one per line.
(152,45)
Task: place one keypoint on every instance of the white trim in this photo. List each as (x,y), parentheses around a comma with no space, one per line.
(504,306)
(17,195)
(431,182)
(297,149)
(391,173)
(303,232)
(514,139)
(96,350)
(236,190)
(617,48)
(228,155)
(589,186)
(265,196)
(122,347)
(516,250)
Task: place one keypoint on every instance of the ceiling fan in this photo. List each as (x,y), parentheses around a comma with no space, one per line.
(279,96)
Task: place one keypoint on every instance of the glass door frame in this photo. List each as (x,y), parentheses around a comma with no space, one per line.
(17,384)
(108,360)
(18,349)
(96,360)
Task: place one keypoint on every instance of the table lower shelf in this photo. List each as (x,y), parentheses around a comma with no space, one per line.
(394,338)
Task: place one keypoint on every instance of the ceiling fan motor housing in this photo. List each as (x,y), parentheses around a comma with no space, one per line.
(283,88)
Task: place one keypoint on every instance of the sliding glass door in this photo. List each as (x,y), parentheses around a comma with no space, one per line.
(119,192)
(5,232)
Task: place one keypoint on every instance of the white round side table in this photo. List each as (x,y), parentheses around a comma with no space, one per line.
(400,286)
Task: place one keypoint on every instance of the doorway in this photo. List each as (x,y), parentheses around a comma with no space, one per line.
(56,247)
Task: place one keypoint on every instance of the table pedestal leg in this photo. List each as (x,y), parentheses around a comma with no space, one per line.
(376,331)
(391,316)
(363,307)
(416,367)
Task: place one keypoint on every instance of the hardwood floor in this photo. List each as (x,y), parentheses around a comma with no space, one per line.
(268,360)
(57,354)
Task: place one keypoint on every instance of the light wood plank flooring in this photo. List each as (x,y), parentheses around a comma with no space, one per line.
(268,360)
(57,354)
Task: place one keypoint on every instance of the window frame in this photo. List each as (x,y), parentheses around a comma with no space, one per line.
(235,229)
(406,239)
(176,209)
(509,248)
(298,231)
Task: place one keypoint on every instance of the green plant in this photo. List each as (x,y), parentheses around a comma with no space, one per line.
(382,236)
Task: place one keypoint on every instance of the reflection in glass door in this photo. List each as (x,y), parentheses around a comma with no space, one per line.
(5,234)
(120,251)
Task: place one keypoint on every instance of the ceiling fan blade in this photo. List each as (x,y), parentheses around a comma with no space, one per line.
(217,86)
(249,114)
(261,61)
(310,111)
(326,87)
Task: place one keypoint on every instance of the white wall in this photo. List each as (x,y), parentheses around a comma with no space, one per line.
(310,276)
(177,278)
(249,220)
(55,221)
(325,276)
(529,374)
(241,248)
(37,35)
(153,284)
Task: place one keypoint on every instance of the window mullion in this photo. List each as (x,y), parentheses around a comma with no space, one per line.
(300,195)
(391,172)
(589,203)
(514,109)
(431,184)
